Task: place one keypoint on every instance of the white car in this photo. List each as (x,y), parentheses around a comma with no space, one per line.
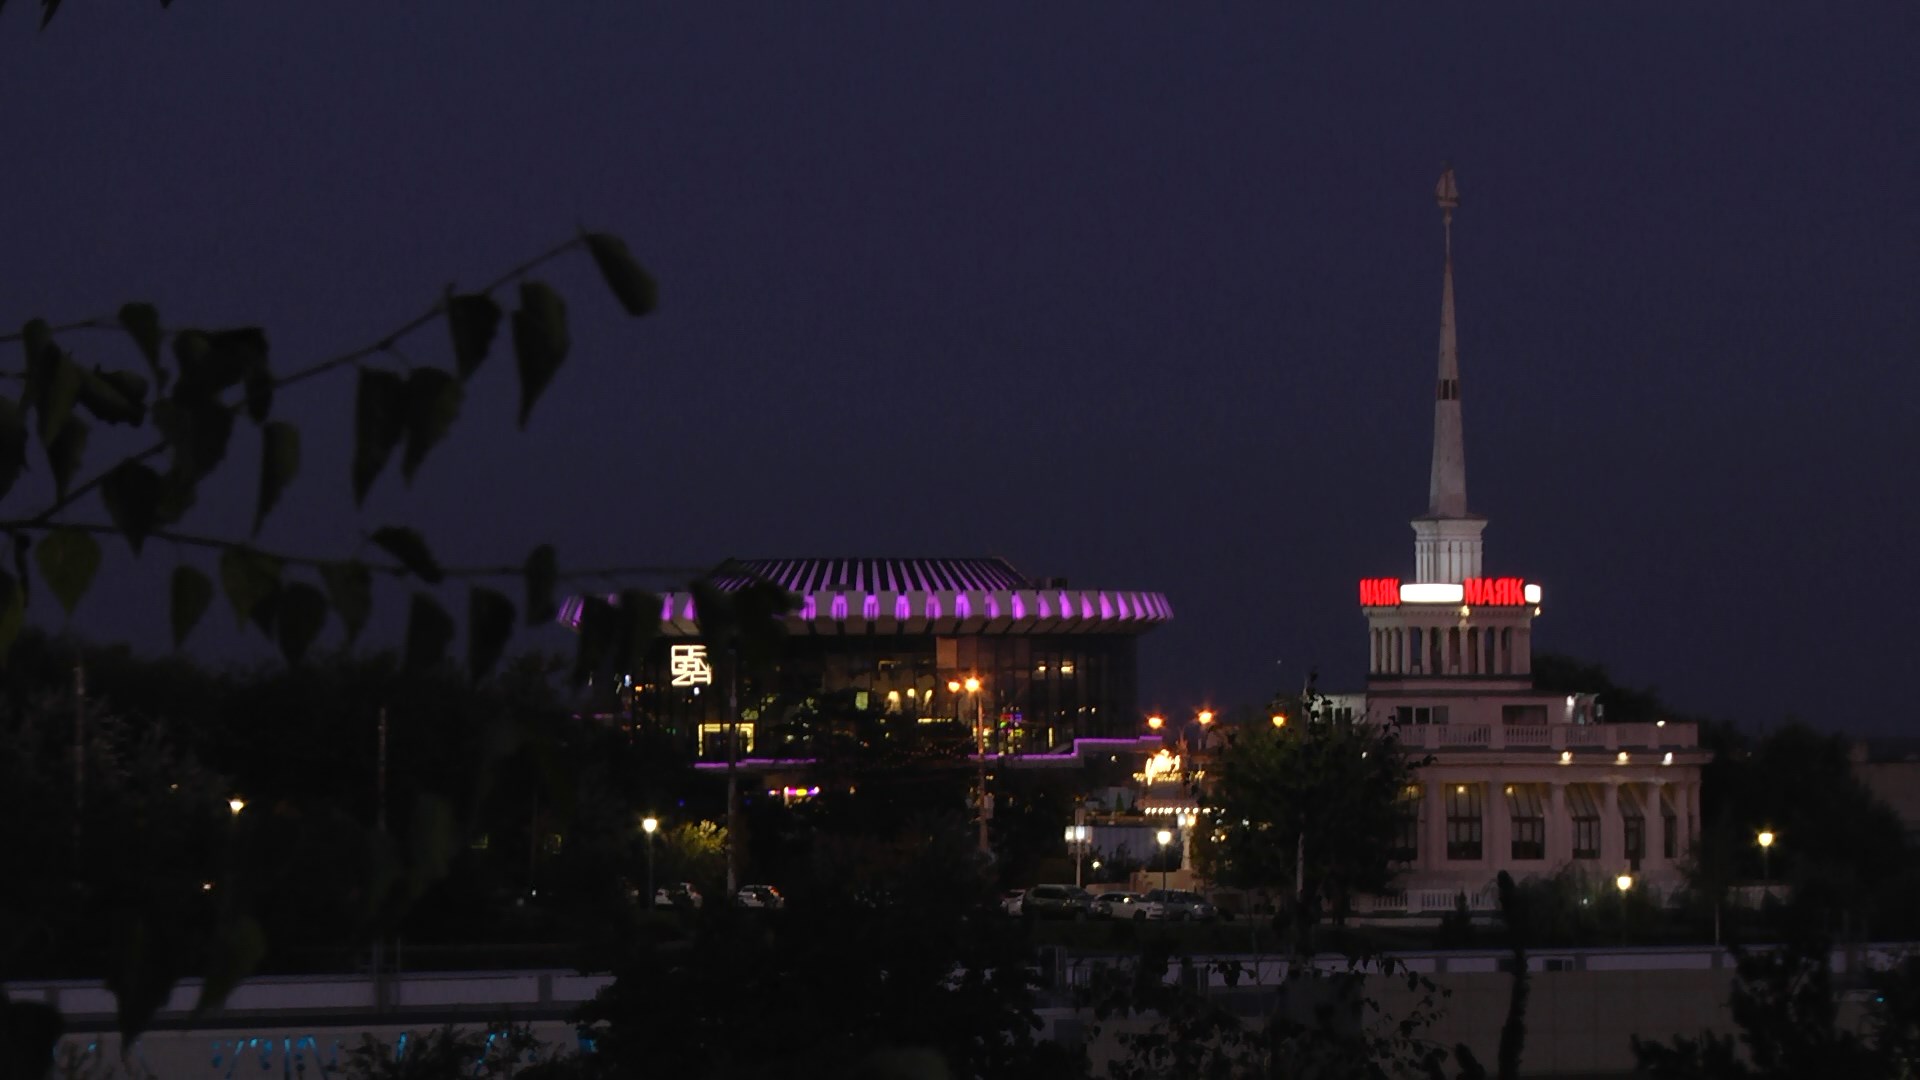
(1118,905)
(764,897)
(677,894)
(1013,901)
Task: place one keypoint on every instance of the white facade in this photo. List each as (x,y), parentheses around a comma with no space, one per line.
(1517,779)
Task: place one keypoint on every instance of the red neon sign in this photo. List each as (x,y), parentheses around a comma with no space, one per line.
(1380,592)
(1496,591)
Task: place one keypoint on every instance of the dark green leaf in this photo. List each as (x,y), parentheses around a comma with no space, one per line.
(13,445)
(433,400)
(350,587)
(142,323)
(192,593)
(58,392)
(489,625)
(178,492)
(251,580)
(132,494)
(259,392)
(540,341)
(65,454)
(474,319)
(632,285)
(116,397)
(406,545)
(279,461)
(197,430)
(542,571)
(13,614)
(379,419)
(300,614)
(68,558)
(596,634)
(429,630)
(237,948)
(212,361)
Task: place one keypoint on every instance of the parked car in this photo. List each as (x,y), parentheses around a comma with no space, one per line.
(1013,901)
(765,897)
(1118,904)
(677,894)
(1058,902)
(1176,905)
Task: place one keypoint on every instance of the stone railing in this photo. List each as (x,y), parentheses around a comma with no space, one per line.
(1610,737)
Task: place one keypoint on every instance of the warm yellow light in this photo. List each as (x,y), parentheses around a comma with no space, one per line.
(1165,836)
(648,825)
(953,686)
(1623,757)
(236,804)
(1668,759)
(1279,719)
(1465,611)
(1509,789)
(1766,837)
(1460,789)
(1624,882)
(1566,756)
(1659,723)
(1154,722)
(1206,716)
(973,685)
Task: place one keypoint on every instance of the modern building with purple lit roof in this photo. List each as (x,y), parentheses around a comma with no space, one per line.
(1053,662)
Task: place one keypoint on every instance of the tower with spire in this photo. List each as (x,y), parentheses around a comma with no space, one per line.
(1451,621)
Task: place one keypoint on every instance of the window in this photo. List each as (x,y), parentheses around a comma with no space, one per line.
(1527,808)
(1406,825)
(1463,821)
(713,739)
(1633,821)
(1586,821)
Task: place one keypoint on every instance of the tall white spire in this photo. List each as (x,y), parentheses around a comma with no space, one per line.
(1447,490)
(1447,537)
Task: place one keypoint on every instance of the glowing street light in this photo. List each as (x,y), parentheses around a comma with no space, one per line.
(1765,839)
(1155,722)
(1205,717)
(1279,720)
(1165,836)
(1623,883)
(236,804)
(650,826)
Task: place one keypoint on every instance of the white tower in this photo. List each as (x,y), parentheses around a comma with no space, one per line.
(1447,542)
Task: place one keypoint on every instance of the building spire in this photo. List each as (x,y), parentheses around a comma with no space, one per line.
(1447,489)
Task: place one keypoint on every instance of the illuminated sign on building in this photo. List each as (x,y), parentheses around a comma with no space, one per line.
(1379,592)
(688,666)
(1479,591)
(1162,766)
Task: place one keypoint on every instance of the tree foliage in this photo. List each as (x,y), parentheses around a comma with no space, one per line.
(1324,776)
(164,423)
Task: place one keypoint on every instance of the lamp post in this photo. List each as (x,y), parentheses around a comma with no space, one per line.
(1077,846)
(972,686)
(1765,840)
(1165,836)
(650,826)
(1156,722)
(235,805)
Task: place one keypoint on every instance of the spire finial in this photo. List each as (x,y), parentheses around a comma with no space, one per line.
(1447,194)
(1448,490)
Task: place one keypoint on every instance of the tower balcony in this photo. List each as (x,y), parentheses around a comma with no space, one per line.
(1441,738)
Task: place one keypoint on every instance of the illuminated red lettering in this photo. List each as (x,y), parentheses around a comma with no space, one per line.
(1379,592)
(1496,592)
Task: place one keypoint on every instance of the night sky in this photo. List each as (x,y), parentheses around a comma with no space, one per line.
(1144,296)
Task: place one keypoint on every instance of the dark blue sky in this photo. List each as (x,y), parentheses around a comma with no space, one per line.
(1139,296)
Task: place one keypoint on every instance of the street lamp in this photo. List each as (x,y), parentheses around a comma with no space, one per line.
(650,826)
(1077,845)
(972,686)
(1155,722)
(1165,836)
(236,804)
(1623,883)
(1766,848)
(1279,720)
(1205,717)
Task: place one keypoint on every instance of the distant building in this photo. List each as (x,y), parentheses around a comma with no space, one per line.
(1054,663)
(1521,780)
